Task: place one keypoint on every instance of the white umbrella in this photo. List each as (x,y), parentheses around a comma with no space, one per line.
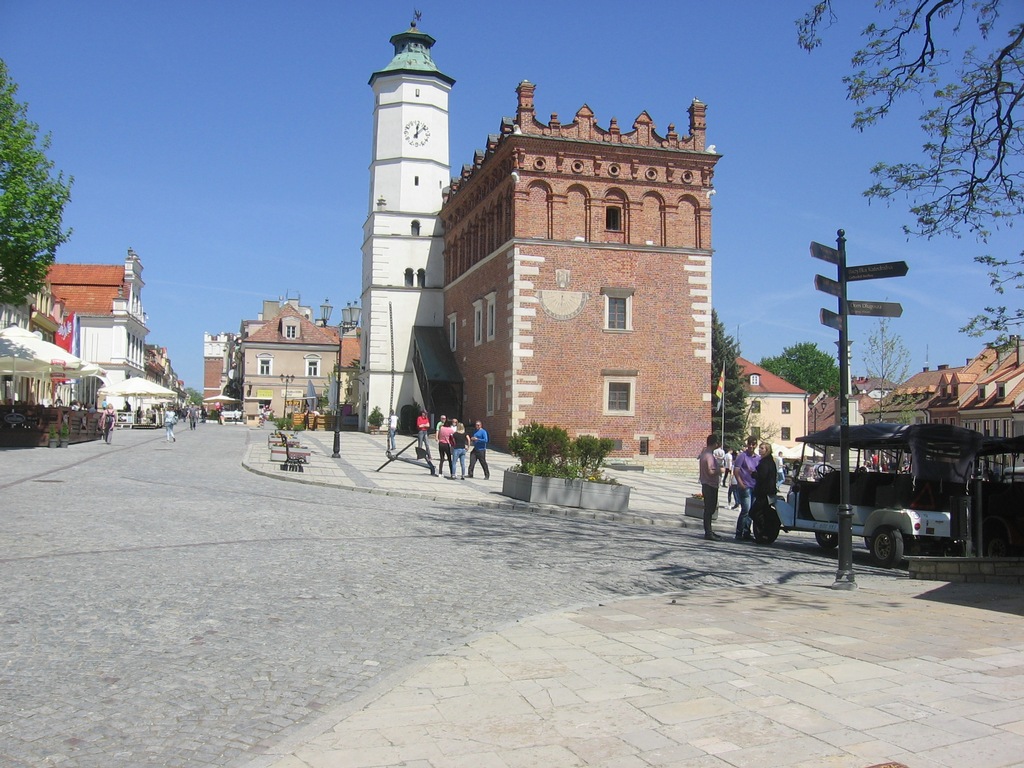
(221,399)
(22,352)
(138,387)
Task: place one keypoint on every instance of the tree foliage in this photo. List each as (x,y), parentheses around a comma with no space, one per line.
(32,200)
(724,352)
(804,365)
(885,355)
(969,178)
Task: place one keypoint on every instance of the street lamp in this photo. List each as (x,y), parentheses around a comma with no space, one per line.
(350,315)
(286,380)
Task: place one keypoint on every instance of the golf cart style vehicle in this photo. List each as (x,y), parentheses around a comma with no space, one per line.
(1001,477)
(910,490)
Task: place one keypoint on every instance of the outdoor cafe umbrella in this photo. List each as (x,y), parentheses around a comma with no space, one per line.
(138,387)
(311,397)
(221,399)
(25,354)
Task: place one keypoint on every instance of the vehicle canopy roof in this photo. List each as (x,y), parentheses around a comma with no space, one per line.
(938,451)
(995,445)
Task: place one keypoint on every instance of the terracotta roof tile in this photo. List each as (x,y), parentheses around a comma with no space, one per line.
(770,383)
(87,288)
(309,333)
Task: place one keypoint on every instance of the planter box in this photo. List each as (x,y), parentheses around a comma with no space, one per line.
(565,493)
(611,498)
(695,508)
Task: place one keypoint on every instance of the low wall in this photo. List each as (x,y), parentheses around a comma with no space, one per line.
(981,570)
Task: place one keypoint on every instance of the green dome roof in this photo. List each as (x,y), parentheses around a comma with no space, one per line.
(412,55)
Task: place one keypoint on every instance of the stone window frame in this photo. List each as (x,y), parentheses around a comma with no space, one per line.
(610,293)
(478,322)
(453,330)
(290,329)
(313,363)
(619,378)
(491,393)
(269,360)
(490,318)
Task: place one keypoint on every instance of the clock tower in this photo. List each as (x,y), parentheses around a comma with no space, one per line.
(403,243)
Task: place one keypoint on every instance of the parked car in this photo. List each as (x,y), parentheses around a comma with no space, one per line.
(895,511)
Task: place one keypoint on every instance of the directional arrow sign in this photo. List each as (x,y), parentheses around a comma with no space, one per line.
(831,319)
(827,285)
(874,308)
(876,271)
(823,252)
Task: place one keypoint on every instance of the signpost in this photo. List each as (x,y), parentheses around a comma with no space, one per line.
(839,321)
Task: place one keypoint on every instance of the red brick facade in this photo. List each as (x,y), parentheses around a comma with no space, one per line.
(558,225)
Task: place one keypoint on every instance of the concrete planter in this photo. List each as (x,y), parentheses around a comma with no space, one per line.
(695,508)
(565,493)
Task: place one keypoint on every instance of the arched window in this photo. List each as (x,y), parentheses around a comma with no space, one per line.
(421,278)
(415,229)
(408,278)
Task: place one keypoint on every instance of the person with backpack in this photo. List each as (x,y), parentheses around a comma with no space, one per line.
(108,418)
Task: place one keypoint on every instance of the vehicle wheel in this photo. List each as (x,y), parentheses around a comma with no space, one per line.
(996,544)
(826,539)
(765,533)
(887,547)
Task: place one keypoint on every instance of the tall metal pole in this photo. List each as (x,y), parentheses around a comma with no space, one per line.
(844,575)
(337,402)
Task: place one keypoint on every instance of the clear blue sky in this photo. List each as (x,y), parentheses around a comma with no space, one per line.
(228,143)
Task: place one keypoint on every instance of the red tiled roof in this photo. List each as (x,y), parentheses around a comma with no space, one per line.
(770,384)
(87,288)
(309,333)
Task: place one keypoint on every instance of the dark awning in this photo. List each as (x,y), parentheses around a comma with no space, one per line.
(436,356)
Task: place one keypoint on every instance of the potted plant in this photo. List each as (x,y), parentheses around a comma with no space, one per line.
(694,507)
(375,419)
(553,469)
(53,442)
(65,435)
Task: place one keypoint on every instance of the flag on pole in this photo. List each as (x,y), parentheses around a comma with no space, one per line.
(720,390)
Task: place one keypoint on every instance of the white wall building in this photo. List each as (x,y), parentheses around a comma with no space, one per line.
(403,244)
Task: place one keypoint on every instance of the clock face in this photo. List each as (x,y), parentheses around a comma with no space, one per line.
(417,133)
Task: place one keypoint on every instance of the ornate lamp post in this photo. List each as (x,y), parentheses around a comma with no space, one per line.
(286,380)
(350,315)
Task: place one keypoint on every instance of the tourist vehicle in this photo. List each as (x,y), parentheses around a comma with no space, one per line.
(1002,497)
(910,490)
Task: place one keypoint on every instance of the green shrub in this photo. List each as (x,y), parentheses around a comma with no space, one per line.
(376,418)
(548,452)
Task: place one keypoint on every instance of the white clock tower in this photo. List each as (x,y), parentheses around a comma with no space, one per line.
(403,245)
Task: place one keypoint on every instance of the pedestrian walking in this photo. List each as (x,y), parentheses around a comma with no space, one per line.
(108,418)
(480,438)
(193,417)
(744,468)
(422,443)
(710,477)
(460,441)
(170,419)
(392,431)
(444,450)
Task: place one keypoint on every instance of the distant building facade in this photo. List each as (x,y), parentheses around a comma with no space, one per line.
(777,410)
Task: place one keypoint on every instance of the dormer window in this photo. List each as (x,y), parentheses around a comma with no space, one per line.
(755,379)
(1000,390)
(290,330)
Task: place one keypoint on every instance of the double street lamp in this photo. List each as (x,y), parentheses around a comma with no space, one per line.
(350,315)
(286,380)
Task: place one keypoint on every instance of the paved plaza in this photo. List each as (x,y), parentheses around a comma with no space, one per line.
(191,604)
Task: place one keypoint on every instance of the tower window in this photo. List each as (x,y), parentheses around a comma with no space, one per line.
(415,181)
(613,218)
(408,278)
(421,278)
(415,229)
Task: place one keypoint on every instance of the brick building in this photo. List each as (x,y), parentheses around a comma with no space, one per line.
(578,281)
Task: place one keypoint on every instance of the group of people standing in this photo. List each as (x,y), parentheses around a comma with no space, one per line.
(755,478)
(454,442)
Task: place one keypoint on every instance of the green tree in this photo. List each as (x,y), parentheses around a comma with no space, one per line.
(804,365)
(970,174)
(193,396)
(32,200)
(724,352)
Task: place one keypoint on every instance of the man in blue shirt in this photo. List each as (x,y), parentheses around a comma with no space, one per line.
(479,452)
(744,467)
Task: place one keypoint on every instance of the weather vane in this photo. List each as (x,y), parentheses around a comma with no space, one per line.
(416,16)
